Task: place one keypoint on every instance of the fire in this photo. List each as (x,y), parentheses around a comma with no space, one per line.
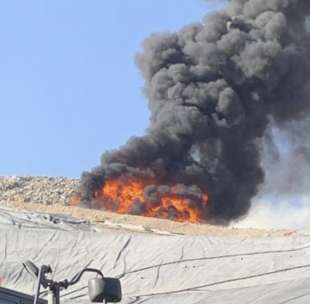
(75,200)
(127,196)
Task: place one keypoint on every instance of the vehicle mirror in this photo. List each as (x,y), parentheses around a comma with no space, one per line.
(105,289)
(31,268)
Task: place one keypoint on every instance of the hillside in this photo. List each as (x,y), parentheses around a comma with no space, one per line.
(52,195)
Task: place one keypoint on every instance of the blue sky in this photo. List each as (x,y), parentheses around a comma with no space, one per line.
(69,85)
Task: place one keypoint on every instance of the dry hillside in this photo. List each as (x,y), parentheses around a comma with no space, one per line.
(53,194)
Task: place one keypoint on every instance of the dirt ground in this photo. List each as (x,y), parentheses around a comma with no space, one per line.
(104,219)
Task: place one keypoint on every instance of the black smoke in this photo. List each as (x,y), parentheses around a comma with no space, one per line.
(213,87)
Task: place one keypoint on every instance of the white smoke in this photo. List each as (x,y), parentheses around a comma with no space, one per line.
(284,198)
(270,213)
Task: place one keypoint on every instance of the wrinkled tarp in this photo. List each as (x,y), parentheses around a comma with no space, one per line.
(10,217)
(164,268)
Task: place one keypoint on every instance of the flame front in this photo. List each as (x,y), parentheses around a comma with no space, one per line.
(127,196)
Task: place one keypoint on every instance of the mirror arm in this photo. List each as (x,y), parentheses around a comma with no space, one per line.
(78,276)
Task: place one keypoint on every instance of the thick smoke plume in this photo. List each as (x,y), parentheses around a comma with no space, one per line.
(213,88)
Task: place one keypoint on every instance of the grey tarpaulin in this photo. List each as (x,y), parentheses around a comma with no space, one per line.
(20,219)
(163,268)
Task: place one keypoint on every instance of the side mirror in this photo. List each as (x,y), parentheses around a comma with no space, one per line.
(31,268)
(105,289)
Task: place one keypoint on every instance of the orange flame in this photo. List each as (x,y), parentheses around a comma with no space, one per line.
(75,200)
(123,196)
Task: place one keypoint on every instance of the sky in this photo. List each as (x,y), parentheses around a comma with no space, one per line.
(70,88)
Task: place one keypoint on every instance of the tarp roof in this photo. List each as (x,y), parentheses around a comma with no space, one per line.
(158,268)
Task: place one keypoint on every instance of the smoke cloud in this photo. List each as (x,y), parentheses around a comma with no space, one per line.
(213,90)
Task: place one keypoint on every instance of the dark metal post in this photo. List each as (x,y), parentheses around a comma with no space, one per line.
(39,281)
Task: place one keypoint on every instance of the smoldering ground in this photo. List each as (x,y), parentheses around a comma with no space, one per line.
(212,89)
